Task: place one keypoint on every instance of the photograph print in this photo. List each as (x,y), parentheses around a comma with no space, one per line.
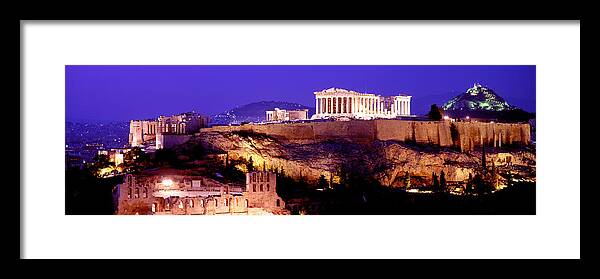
(300,140)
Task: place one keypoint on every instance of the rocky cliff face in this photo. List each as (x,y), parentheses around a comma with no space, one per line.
(386,161)
(465,136)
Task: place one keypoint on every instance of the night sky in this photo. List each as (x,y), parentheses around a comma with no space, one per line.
(121,93)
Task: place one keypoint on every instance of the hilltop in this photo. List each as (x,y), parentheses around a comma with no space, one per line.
(482,102)
(255,112)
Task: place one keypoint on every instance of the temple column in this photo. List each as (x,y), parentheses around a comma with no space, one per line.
(333,105)
(317,105)
(359,104)
(346,105)
(403,107)
(362,104)
(373,106)
(400,107)
(408,107)
(330,105)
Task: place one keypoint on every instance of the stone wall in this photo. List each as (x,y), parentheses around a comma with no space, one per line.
(170,140)
(261,191)
(468,135)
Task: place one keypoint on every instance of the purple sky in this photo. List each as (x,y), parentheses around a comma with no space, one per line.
(138,92)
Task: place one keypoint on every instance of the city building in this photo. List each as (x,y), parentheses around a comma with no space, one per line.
(185,192)
(286,115)
(143,132)
(337,102)
(115,155)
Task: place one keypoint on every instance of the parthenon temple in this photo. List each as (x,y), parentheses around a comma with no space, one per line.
(337,102)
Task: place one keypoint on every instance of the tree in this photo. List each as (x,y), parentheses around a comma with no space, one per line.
(197,151)
(322,182)
(165,156)
(482,185)
(435,113)
(135,156)
(100,165)
(436,183)
(101,161)
(469,187)
(483,159)
(443,181)
(250,165)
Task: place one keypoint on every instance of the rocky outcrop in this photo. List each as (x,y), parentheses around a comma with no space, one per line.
(387,161)
(463,136)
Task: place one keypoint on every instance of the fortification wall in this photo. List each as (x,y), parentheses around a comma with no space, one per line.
(467,135)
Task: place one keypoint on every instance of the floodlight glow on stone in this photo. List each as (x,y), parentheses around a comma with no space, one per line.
(167,182)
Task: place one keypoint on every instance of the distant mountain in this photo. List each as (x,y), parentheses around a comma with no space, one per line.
(478,98)
(255,112)
(482,102)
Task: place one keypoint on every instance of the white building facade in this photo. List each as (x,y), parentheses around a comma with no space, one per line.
(286,115)
(337,102)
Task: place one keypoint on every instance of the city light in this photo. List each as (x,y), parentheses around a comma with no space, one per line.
(446,117)
(167,182)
